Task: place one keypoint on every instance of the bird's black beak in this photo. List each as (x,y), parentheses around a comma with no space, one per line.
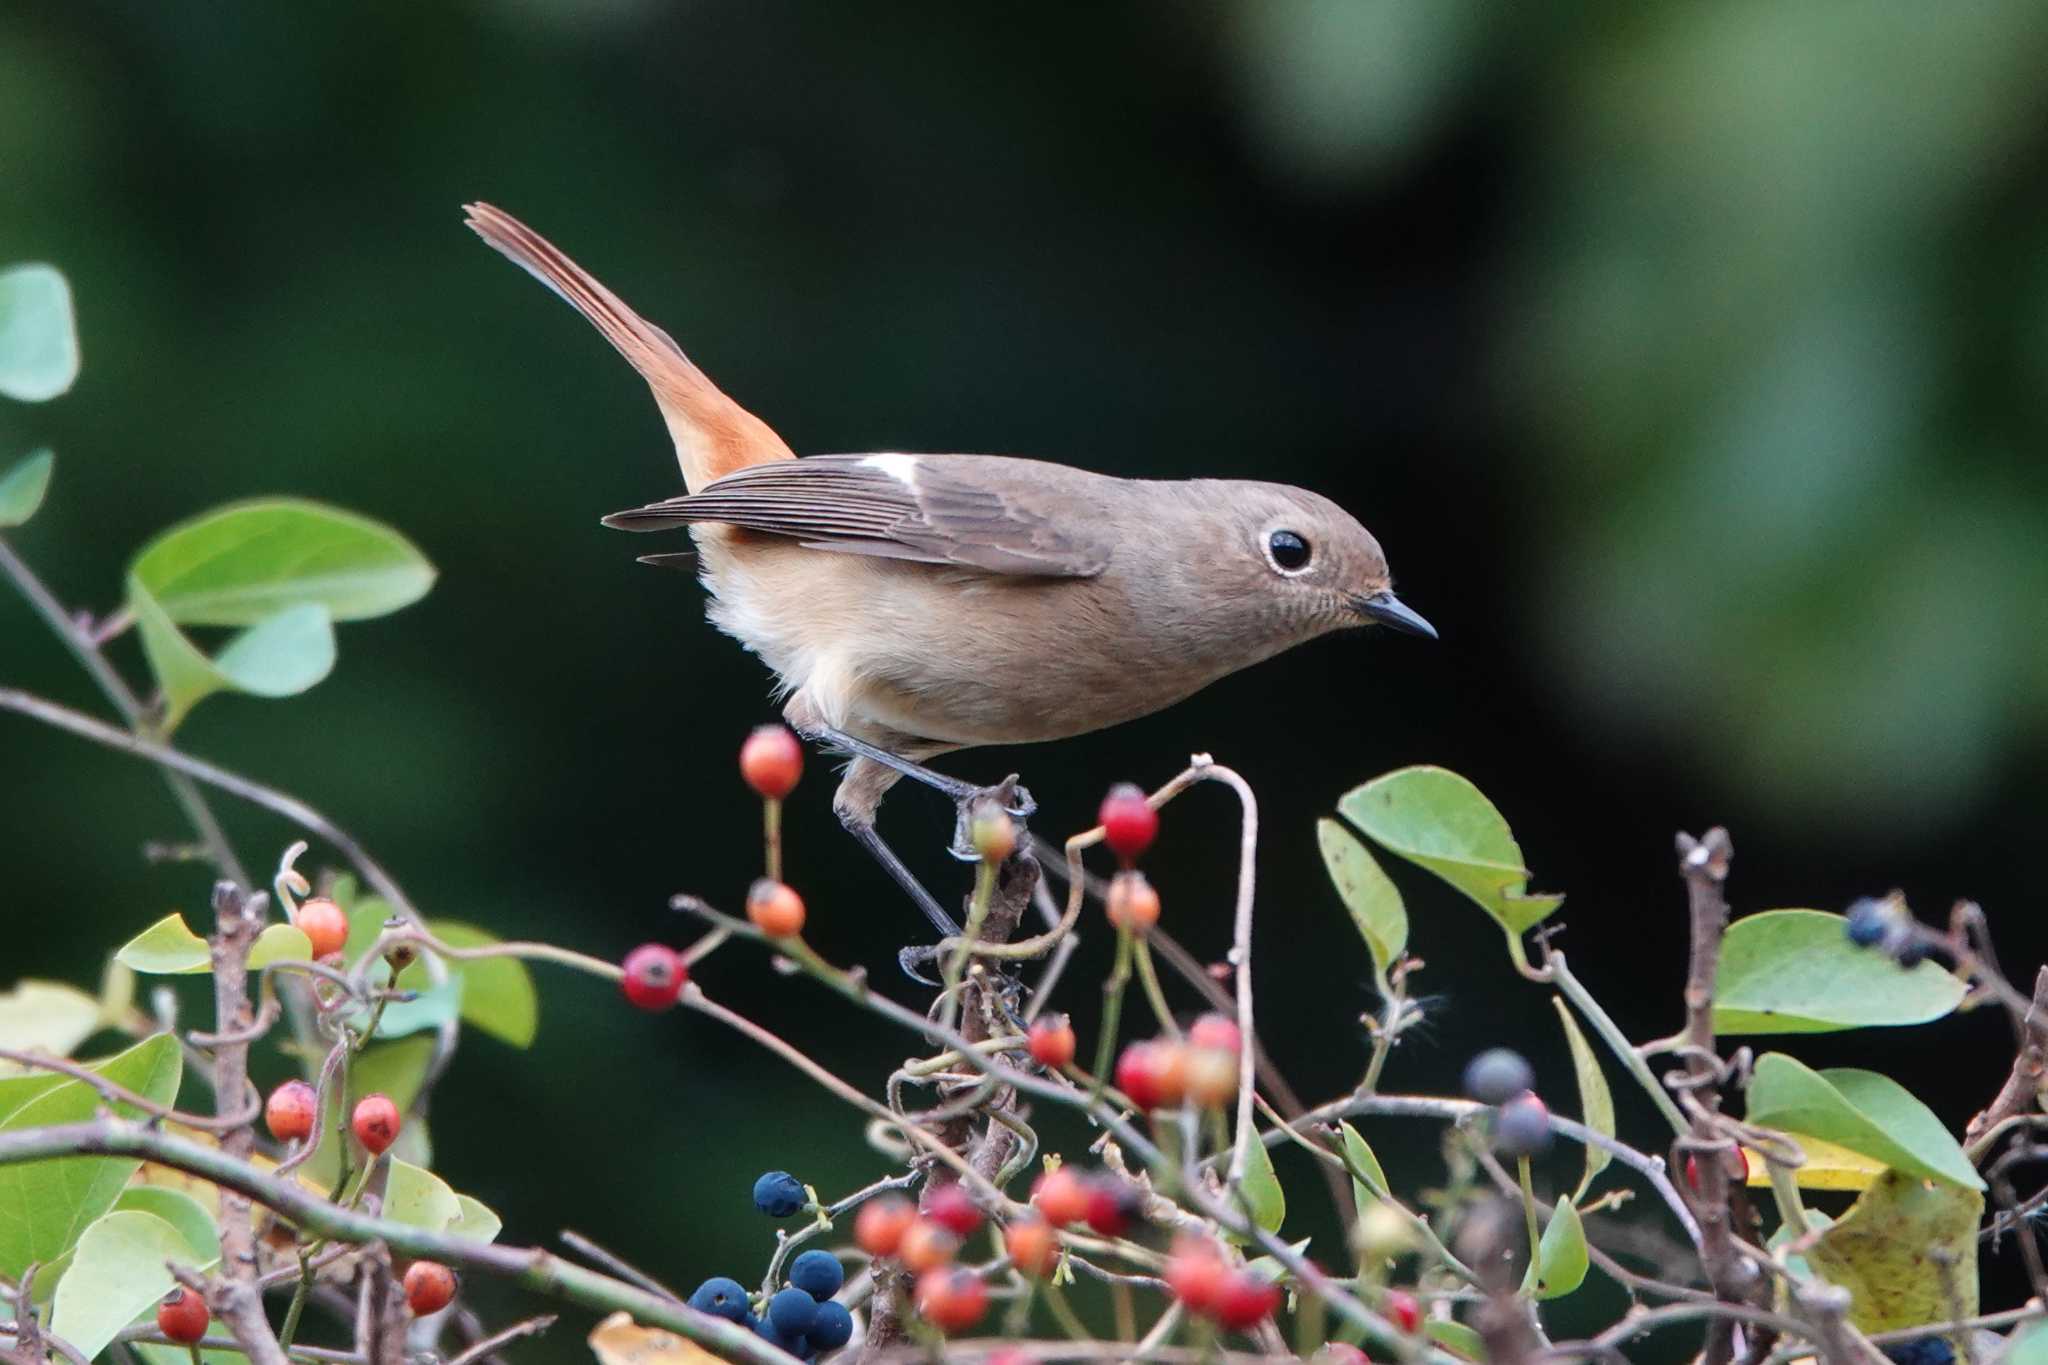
(1389,610)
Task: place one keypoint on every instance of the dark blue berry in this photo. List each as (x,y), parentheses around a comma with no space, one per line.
(721,1298)
(779,1194)
(1926,1351)
(792,1312)
(1522,1127)
(817,1273)
(834,1327)
(1865,924)
(1497,1076)
(1911,953)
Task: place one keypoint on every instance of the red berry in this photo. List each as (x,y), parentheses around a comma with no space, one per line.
(771,761)
(951,1300)
(1051,1041)
(1112,1205)
(429,1287)
(291,1111)
(951,1209)
(1062,1196)
(182,1316)
(1128,820)
(1132,904)
(1403,1309)
(654,977)
(375,1122)
(926,1246)
(775,910)
(879,1226)
(1195,1272)
(1736,1164)
(324,924)
(1217,1031)
(1246,1301)
(1033,1246)
(1154,1074)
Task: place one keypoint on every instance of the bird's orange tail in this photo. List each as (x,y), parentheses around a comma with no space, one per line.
(713,434)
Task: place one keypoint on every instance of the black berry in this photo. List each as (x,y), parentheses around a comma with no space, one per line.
(779,1194)
(817,1273)
(1497,1076)
(722,1298)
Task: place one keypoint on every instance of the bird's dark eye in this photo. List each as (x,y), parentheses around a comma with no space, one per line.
(1289,550)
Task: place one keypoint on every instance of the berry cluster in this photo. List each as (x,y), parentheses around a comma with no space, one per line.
(1501,1078)
(925,1241)
(1162,1073)
(1886,926)
(801,1318)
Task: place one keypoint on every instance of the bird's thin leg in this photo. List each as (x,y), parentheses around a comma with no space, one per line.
(961,793)
(864,833)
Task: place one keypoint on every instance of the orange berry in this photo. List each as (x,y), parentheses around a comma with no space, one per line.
(1153,1074)
(1195,1272)
(291,1111)
(375,1122)
(429,1287)
(879,1226)
(926,1246)
(994,833)
(951,1300)
(771,761)
(1132,903)
(324,924)
(1062,1196)
(182,1316)
(1033,1246)
(775,910)
(1051,1041)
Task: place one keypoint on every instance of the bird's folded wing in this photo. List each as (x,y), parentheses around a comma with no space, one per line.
(974,512)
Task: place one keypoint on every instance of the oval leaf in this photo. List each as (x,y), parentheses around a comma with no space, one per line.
(419,1198)
(1372,899)
(1358,1155)
(1561,1256)
(1455,1337)
(119,1271)
(38,335)
(45,1205)
(191,1218)
(167,948)
(1888,1248)
(280,943)
(497,993)
(1437,820)
(1596,1101)
(1860,1110)
(280,656)
(476,1221)
(22,488)
(244,563)
(1795,971)
(1262,1195)
(44,1016)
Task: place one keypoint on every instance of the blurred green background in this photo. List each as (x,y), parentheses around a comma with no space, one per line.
(1690,362)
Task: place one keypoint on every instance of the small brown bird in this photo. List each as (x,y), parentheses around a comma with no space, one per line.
(911,605)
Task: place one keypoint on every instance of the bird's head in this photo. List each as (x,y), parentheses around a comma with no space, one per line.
(1311,559)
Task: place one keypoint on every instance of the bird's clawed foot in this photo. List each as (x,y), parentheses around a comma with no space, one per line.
(1013,799)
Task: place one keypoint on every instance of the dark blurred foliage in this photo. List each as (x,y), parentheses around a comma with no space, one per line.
(1688,361)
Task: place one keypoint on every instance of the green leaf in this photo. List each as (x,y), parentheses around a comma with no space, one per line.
(280,656)
(477,1221)
(1455,1337)
(181,1211)
(167,948)
(244,563)
(1561,1255)
(433,1007)
(45,1205)
(419,1198)
(1596,1101)
(396,1069)
(2029,1346)
(1795,971)
(280,943)
(498,994)
(1359,1155)
(1263,1198)
(1886,1251)
(1372,899)
(45,1016)
(118,1272)
(22,488)
(1269,1268)
(1860,1110)
(38,336)
(1437,820)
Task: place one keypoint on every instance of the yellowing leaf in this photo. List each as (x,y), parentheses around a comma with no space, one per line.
(1883,1252)
(1828,1166)
(619,1340)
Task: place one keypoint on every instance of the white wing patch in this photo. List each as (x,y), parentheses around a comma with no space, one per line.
(902,468)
